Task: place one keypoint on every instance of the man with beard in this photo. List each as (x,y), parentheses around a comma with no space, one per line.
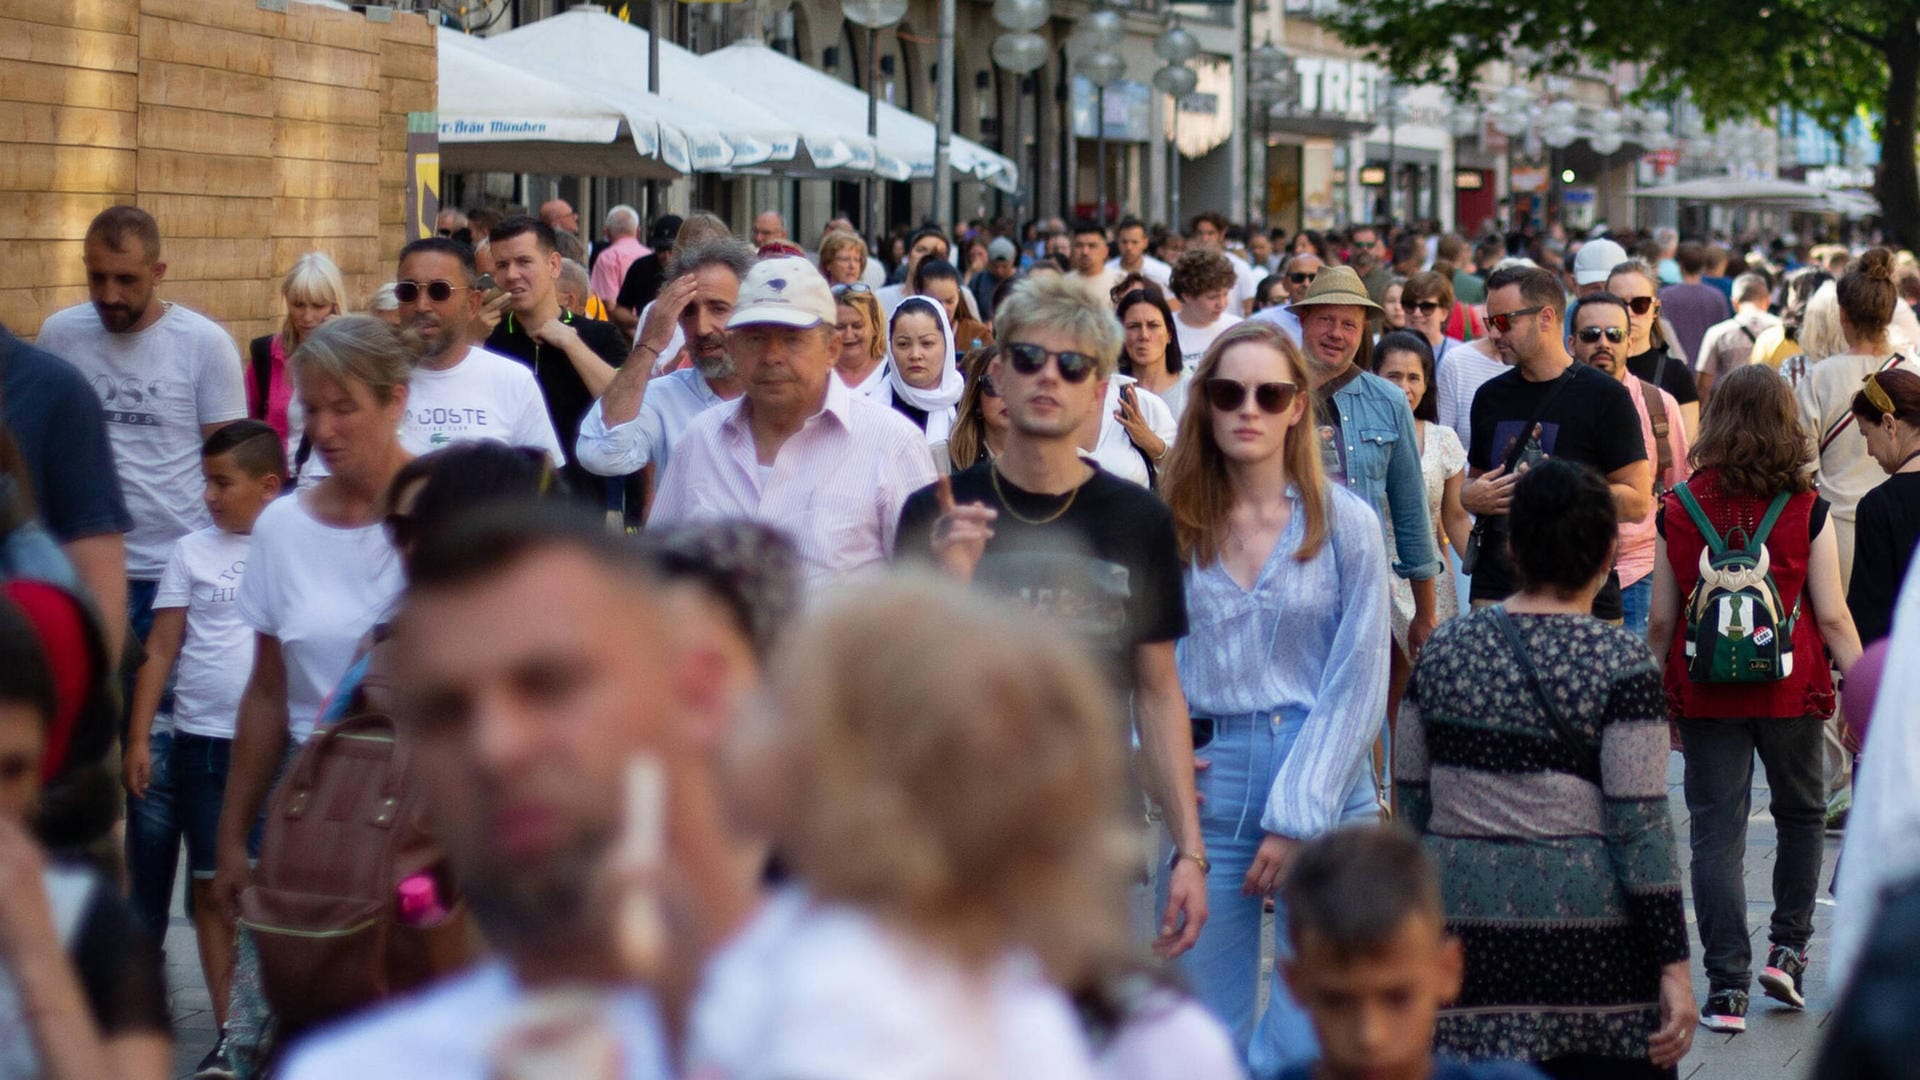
(459,390)
(167,378)
(797,450)
(1600,338)
(640,418)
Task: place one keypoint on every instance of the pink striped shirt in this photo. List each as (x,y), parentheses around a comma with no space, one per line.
(835,487)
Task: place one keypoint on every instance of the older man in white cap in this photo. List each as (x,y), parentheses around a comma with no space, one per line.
(799,450)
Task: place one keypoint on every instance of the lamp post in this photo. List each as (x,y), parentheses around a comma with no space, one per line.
(1271,80)
(1022,52)
(1095,43)
(874,15)
(1392,108)
(1176,46)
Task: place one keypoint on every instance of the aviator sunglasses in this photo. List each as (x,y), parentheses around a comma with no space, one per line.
(1590,334)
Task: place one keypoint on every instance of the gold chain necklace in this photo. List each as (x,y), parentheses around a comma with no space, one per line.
(993,473)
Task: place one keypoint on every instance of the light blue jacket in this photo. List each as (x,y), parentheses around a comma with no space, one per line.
(1383,467)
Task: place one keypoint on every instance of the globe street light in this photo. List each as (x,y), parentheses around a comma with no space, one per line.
(874,15)
(1176,80)
(1096,39)
(1022,52)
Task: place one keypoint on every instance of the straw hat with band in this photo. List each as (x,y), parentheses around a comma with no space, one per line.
(1336,286)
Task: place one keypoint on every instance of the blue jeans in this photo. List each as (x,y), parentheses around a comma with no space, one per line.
(1635,601)
(184,796)
(1224,965)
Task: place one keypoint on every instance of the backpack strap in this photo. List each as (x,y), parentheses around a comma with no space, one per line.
(1657,419)
(260,350)
(1707,532)
(1846,420)
(1766,523)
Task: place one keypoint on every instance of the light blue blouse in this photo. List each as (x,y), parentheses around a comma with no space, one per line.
(1309,636)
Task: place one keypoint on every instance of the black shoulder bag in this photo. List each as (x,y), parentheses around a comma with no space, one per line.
(1482,524)
(1583,751)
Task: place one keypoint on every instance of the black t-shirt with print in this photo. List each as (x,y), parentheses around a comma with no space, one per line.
(1591,421)
(1109,566)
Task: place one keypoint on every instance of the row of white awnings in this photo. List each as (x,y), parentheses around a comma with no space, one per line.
(568,95)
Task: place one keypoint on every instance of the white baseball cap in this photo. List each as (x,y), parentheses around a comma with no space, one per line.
(784,291)
(1595,261)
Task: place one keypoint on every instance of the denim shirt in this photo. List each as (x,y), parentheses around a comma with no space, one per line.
(1383,467)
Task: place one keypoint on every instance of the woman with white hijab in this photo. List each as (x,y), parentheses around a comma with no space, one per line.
(924,383)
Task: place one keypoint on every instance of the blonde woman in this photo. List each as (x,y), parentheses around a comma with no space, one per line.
(313,293)
(951,873)
(1285,663)
(843,258)
(861,362)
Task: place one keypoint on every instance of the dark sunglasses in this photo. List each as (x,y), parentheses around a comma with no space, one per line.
(1590,334)
(856,287)
(987,389)
(1640,305)
(1503,322)
(1227,395)
(1301,278)
(437,291)
(1425,307)
(1028,358)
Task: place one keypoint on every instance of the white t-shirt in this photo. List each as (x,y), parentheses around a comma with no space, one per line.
(203,576)
(484,396)
(1246,283)
(157,388)
(1151,268)
(448,1032)
(1194,340)
(1114,450)
(811,989)
(318,589)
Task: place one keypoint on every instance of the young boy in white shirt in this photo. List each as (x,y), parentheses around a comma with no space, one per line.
(198,655)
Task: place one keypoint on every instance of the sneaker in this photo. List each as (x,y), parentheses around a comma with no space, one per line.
(1784,974)
(218,1064)
(1726,1010)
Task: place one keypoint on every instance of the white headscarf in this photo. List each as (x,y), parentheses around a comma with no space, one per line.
(940,402)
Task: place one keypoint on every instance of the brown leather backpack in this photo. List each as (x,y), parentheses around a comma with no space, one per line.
(345,827)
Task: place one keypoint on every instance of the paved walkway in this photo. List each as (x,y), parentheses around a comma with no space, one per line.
(1779,1044)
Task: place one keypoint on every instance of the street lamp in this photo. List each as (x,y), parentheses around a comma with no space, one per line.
(1096,39)
(1392,107)
(1176,46)
(1022,52)
(875,15)
(1271,81)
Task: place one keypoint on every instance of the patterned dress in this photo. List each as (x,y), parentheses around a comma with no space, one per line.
(1557,863)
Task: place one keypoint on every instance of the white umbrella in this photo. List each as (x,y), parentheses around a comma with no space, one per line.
(818,102)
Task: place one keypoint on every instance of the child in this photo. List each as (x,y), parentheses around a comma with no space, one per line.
(176,772)
(1372,963)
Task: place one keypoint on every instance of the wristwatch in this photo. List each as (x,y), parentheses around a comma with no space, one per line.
(1197,860)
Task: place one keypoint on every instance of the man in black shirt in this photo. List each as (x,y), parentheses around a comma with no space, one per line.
(573,357)
(1050,530)
(1545,406)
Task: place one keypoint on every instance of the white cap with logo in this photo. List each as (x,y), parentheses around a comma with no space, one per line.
(783,291)
(1595,260)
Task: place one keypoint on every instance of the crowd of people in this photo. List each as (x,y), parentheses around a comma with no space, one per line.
(949,660)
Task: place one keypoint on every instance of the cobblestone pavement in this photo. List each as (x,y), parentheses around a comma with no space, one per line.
(1779,1044)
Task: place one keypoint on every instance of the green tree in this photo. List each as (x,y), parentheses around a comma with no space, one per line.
(1737,58)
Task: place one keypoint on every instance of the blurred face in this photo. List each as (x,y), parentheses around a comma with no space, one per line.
(1273,296)
(22,741)
(856,339)
(1404,370)
(306,314)
(528,694)
(1300,274)
(1204,309)
(1089,253)
(1394,317)
(945,292)
(1248,433)
(768,228)
(1131,243)
(233,498)
(1208,235)
(1607,326)
(1331,336)
(976,258)
(1172,247)
(1259,247)
(1303,244)
(1424,314)
(121,284)
(561,216)
(704,321)
(1632,288)
(1375,1014)
(1043,404)
(1368,240)
(351,429)
(441,324)
(919,349)
(846,266)
(1146,340)
(527,273)
(784,367)
(925,247)
(1526,337)
(1059,244)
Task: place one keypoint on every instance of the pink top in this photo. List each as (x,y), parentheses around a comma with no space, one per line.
(279,389)
(836,486)
(1639,538)
(610,269)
